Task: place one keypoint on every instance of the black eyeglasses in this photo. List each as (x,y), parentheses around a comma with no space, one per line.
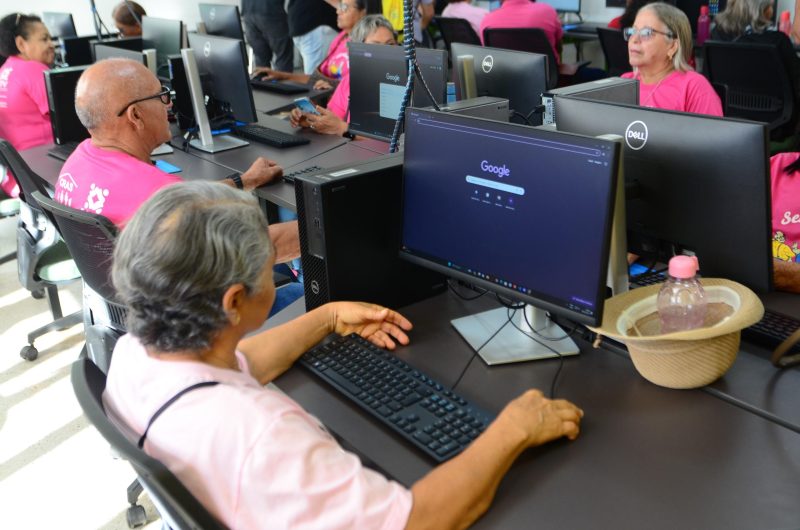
(166,96)
(645,33)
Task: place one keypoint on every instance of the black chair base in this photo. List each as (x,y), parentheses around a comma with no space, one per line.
(29,352)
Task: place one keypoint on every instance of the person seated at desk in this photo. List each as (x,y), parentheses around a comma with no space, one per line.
(526,14)
(785,175)
(336,65)
(464,9)
(26,52)
(625,20)
(125,17)
(659,49)
(249,453)
(372,29)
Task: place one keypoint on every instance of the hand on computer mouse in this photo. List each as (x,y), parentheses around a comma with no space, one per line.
(262,171)
(542,419)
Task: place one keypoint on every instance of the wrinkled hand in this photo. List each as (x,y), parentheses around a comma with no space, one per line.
(378,324)
(268,73)
(326,122)
(262,171)
(542,419)
(322,84)
(297,118)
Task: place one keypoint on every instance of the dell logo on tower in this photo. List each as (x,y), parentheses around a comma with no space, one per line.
(207,49)
(315,287)
(212,14)
(487,64)
(636,135)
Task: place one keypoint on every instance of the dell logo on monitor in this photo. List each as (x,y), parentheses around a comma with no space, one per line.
(207,48)
(636,135)
(487,64)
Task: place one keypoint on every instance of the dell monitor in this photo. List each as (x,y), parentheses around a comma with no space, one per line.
(59,24)
(78,50)
(222,20)
(102,51)
(523,212)
(133,44)
(519,77)
(378,76)
(696,184)
(165,36)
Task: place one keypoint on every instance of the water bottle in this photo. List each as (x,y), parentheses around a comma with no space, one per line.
(682,300)
(785,23)
(451,92)
(713,7)
(703,26)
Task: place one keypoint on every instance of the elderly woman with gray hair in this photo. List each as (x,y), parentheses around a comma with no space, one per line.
(194,266)
(659,50)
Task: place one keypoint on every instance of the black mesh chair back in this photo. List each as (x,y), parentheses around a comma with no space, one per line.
(525,40)
(615,51)
(27,179)
(179,508)
(756,84)
(456,30)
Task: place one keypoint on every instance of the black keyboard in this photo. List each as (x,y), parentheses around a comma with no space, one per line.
(647,278)
(771,330)
(281,87)
(263,135)
(63,151)
(434,419)
(289,177)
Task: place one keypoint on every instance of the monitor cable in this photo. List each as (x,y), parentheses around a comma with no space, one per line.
(463,297)
(477,351)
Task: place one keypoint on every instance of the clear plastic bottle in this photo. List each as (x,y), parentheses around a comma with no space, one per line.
(703,26)
(785,23)
(682,300)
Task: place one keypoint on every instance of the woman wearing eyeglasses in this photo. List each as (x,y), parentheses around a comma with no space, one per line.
(28,50)
(659,49)
(336,64)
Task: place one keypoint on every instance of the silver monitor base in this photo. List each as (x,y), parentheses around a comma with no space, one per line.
(511,345)
(221,142)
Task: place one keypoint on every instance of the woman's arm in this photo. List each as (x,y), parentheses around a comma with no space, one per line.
(787,276)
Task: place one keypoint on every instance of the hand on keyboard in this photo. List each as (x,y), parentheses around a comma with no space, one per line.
(377,324)
(262,171)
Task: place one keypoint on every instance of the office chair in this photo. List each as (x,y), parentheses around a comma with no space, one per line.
(90,239)
(456,30)
(533,40)
(8,208)
(757,84)
(615,51)
(177,506)
(43,260)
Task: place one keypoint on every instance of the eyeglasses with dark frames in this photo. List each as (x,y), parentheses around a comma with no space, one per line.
(645,33)
(166,96)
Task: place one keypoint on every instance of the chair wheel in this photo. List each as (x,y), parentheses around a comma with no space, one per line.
(29,353)
(136,516)
(38,294)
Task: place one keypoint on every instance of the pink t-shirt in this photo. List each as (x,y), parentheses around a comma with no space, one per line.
(337,64)
(339,103)
(526,14)
(251,455)
(681,91)
(785,208)
(472,14)
(110,183)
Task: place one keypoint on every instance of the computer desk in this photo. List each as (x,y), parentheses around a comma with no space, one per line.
(647,457)
(273,102)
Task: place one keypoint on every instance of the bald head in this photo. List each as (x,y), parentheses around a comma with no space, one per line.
(106,87)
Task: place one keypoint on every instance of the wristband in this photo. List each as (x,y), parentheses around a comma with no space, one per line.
(347,134)
(237,180)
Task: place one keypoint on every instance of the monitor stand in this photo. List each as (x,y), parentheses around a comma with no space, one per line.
(206,142)
(511,345)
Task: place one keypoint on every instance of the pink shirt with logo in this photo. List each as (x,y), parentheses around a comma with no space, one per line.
(339,103)
(110,183)
(24,113)
(250,454)
(681,91)
(337,63)
(472,14)
(785,208)
(526,14)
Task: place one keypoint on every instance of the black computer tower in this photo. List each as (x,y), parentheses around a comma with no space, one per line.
(350,222)
(60,85)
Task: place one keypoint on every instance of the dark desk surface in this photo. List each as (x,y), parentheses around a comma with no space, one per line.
(647,457)
(272,102)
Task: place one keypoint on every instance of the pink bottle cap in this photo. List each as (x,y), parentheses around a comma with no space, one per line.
(683,266)
(785,15)
(703,10)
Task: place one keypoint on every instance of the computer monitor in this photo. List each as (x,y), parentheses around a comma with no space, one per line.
(564,6)
(78,50)
(222,20)
(519,77)
(123,43)
(523,212)
(102,51)
(378,76)
(60,84)
(696,183)
(222,65)
(59,24)
(165,36)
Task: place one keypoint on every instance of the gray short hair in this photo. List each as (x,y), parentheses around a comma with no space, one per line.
(94,109)
(739,15)
(678,23)
(178,255)
(369,24)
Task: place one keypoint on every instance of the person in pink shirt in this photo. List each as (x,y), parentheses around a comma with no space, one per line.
(372,29)
(659,49)
(24,112)
(785,175)
(526,14)
(250,454)
(336,64)
(464,9)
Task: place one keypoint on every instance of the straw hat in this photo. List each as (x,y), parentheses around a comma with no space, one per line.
(684,359)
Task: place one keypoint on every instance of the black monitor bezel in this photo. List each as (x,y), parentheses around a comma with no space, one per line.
(238,32)
(63,19)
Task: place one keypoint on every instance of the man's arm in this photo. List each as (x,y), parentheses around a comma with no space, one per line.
(787,276)
(286,240)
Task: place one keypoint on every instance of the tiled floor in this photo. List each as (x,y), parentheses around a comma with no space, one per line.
(55,469)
